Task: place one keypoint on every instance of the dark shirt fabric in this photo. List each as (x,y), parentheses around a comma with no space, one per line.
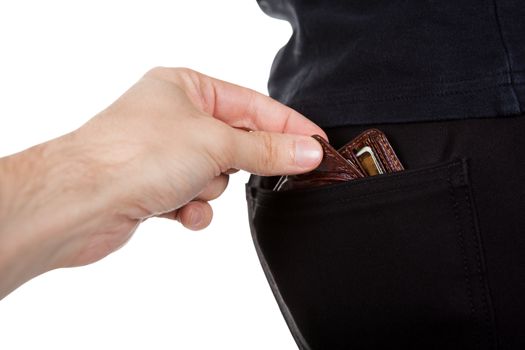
(386,61)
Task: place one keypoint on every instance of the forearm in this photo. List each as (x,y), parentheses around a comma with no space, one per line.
(40,208)
(19,176)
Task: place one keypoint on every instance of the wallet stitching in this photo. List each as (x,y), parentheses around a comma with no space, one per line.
(391,159)
(361,181)
(336,156)
(358,139)
(384,158)
(339,158)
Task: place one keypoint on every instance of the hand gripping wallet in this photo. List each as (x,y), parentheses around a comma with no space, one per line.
(368,154)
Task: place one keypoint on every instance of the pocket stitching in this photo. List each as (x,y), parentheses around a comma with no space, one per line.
(264,192)
(462,247)
(480,270)
(463,241)
(344,200)
(260,203)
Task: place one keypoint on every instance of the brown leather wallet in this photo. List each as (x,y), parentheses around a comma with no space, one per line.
(368,154)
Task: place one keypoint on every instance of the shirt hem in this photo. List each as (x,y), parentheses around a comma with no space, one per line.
(501,98)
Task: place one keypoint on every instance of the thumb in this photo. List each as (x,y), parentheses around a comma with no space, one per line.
(271,153)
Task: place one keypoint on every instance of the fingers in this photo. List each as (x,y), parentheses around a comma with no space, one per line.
(195,215)
(266,153)
(242,107)
(214,188)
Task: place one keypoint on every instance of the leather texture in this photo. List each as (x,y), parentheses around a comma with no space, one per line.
(344,164)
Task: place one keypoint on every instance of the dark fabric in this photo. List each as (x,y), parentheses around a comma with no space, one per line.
(380,61)
(432,257)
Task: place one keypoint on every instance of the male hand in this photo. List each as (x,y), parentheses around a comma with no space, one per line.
(164,148)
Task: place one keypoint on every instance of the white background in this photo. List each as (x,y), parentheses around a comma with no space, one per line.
(61,62)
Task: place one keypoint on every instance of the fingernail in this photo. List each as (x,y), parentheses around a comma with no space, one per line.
(196,218)
(308,153)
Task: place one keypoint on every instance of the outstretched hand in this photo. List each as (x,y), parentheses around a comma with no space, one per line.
(165,148)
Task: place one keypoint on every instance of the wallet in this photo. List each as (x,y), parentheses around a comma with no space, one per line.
(369,154)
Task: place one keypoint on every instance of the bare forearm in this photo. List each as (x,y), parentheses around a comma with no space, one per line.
(20,179)
(45,198)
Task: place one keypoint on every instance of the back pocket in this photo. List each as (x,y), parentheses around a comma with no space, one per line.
(390,261)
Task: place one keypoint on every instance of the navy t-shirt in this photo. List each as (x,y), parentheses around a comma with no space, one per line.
(372,61)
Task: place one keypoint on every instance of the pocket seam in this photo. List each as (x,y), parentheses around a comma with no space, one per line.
(369,195)
(463,239)
(264,192)
(479,265)
(270,198)
(463,249)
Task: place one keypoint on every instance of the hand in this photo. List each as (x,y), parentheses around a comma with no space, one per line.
(164,148)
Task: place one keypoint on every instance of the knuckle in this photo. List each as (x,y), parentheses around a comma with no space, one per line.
(268,154)
(184,70)
(220,147)
(175,74)
(226,148)
(156,71)
(185,74)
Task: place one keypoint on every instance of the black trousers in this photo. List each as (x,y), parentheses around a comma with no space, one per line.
(432,257)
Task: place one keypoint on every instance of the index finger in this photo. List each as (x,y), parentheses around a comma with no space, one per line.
(246,108)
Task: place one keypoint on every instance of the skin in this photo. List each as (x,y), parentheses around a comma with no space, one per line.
(165,148)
